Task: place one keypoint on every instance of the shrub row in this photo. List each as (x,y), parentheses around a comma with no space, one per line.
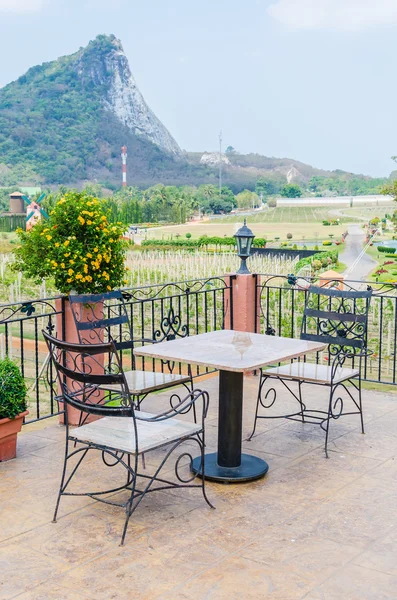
(203,241)
(386,249)
(318,261)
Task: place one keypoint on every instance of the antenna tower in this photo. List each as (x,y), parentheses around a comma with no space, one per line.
(220,164)
(124,164)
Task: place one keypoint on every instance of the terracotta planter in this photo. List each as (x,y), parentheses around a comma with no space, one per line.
(9,428)
(71,336)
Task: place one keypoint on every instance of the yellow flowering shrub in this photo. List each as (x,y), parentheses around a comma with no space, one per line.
(61,246)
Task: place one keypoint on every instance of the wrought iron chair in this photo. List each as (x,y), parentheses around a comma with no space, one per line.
(338,318)
(123,433)
(94,327)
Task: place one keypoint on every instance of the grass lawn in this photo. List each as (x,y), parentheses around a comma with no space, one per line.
(391,269)
(368,212)
(288,214)
(301,231)
(305,223)
(339,268)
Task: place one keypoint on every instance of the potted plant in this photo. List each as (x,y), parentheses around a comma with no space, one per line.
(80,248)
(12,407)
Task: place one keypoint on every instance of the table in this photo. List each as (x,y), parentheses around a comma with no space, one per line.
(233,353)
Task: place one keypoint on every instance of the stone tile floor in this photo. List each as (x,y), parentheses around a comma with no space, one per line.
(312,528)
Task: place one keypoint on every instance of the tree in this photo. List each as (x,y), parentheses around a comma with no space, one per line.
(230,150)
(267,186)
(291,190)
(247,199)
(219,206)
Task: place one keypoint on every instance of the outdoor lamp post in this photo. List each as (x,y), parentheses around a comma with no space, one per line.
(244,238)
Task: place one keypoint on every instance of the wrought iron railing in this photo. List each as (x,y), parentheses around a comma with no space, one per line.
(21,324)
(198,306)
(164,311)
(279,312)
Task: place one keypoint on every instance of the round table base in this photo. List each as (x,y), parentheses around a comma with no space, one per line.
(251,467)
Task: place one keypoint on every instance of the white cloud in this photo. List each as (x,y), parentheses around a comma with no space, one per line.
(21,6)
(334,14)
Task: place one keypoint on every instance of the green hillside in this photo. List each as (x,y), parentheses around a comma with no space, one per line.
(54,129)
(64,122)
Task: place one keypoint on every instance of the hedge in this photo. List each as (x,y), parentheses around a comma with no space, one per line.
(321,257)
(203,241)
(386,249)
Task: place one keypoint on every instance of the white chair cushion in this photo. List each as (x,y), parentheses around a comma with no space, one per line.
(118,433)
(141,382)
(304,371)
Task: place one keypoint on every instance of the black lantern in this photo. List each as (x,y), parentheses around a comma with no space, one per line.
(244,238)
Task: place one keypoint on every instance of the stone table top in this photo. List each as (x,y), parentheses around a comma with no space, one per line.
(229,350)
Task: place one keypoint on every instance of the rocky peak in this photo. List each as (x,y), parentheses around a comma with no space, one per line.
(103,64)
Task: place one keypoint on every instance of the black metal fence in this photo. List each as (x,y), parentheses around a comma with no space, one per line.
(198,306)
(279,312)
(21,324)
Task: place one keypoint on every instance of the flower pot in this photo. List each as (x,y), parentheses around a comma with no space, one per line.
(71,336)
(9,428)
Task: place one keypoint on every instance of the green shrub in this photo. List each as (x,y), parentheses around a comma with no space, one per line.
(326,223)
(386,249)
(12,390)
(316,264)
(327,243)
(77,246)
(188,235)
(316,261)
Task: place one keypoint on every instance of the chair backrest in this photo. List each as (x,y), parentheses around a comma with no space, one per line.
(81,372)
(103,317)
(336,317)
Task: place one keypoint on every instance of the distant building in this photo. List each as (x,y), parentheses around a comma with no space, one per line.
(17,204)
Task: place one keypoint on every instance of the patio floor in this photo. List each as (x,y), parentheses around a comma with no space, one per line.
(312,528)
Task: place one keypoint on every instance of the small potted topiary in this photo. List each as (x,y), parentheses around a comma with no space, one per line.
(12,407)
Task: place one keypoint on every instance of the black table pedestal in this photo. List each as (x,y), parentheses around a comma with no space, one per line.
(251,468)
(229,464)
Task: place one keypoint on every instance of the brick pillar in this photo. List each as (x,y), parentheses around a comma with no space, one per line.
(66,330)
(243,303)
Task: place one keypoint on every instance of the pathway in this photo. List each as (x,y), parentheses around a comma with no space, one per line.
(353,247)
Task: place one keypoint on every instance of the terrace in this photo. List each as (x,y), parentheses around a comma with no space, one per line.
(312,528)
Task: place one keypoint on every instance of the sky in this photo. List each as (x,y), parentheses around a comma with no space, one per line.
(312,80)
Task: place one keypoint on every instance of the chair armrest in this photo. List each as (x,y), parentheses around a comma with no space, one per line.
(342,356)
(364,353)
(180,408)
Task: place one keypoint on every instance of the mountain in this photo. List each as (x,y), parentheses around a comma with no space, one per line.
(66,120)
